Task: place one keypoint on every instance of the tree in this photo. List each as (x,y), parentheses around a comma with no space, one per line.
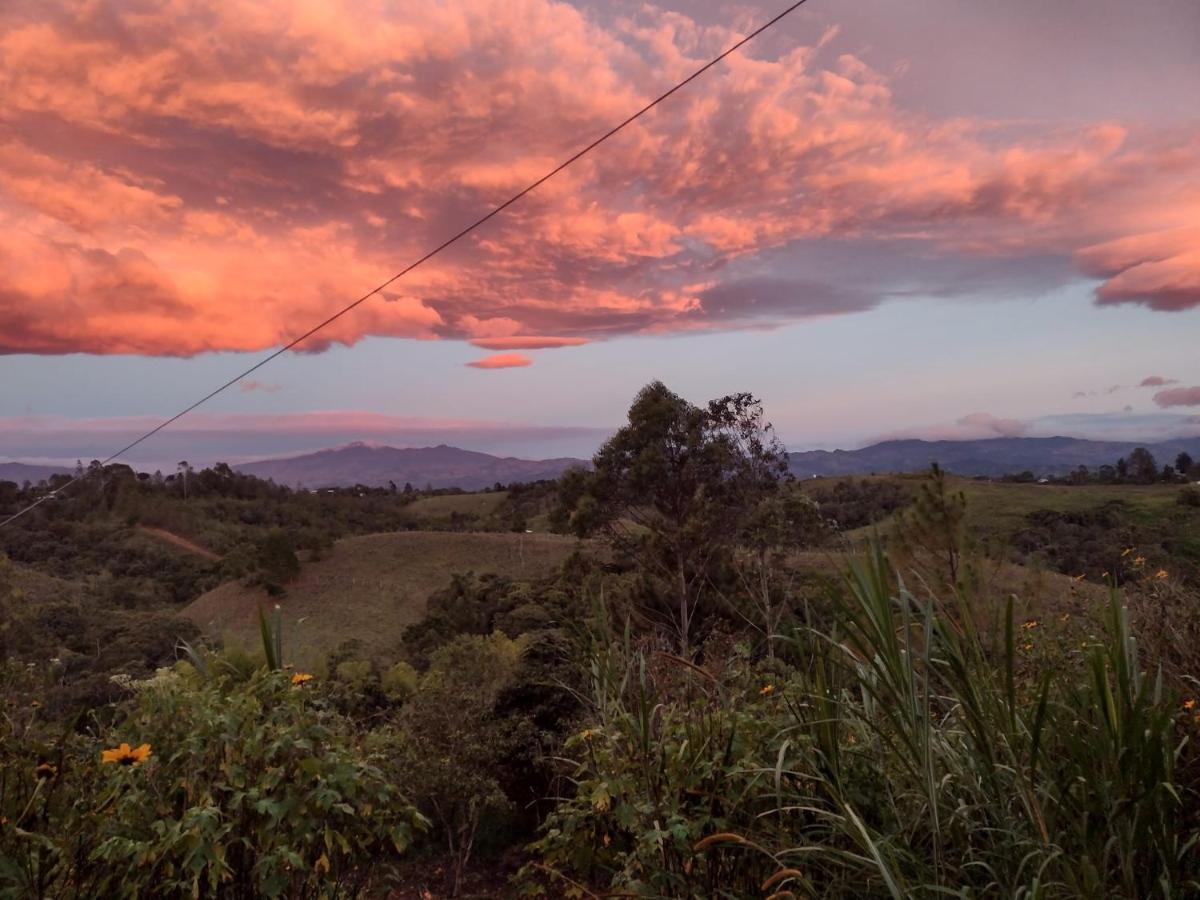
(930,536)
(676,489)
(185,469)
(277,562)
(1122,468)
(1184,463)
(1142,467)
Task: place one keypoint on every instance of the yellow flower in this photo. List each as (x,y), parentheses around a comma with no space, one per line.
(1190,703)
(767,690)
(125,756)
(587,734)
(45,771)
(1029,625)
(1027,646)
(1126,551)
(301,678)
(1139,561)
(1161,573)
(1079,577)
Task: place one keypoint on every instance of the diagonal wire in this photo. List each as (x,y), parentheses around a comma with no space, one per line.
(428,256)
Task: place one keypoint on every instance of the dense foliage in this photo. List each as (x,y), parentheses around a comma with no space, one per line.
(737,686)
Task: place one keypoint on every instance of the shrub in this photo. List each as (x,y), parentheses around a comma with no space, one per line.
(449,744)
(250,790)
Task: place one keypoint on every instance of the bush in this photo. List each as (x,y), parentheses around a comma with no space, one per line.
(250,790)
(1189,496)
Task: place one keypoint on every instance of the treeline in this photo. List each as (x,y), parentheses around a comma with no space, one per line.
(1139,468)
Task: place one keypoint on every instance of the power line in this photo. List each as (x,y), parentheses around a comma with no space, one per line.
(428,256)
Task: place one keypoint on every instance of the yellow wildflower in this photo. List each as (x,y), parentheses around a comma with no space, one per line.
(301,678)
(1161,574)
(767,690)
(1139,561)
(126,756)
(1029,625)
(45,771)
(1190,703)
(1079,577)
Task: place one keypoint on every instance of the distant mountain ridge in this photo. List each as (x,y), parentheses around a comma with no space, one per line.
(19,473)
(992,457)
(375,465)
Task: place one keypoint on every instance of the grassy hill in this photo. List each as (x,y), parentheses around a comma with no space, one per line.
(371,588)
(442,508)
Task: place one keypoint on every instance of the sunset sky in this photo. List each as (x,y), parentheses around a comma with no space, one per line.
(933,218)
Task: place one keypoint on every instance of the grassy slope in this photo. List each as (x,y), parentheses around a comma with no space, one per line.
(484,503)
(37,588)
(371,588)
(995,507)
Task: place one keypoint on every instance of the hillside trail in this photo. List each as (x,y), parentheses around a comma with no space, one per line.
(181,542)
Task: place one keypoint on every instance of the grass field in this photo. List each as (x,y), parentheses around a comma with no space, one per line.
(999,505)
(482,504)
(371,588)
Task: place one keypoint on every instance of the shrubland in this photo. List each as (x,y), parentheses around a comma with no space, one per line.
(738,686)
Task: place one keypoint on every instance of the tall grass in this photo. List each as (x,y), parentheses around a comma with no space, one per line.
(911,750)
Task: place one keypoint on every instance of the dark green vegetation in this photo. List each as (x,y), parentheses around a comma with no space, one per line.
(711,682)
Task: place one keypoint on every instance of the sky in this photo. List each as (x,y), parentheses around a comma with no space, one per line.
(937,219)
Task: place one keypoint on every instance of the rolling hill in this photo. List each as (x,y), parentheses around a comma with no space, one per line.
(991,457)
(375,466)
(371,588)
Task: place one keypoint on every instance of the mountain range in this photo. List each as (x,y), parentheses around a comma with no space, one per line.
(444,466)
(375,465)
(990,457)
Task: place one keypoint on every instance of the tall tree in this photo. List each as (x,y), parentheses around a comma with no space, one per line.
(1142,466)
(677,488)
(1184,463)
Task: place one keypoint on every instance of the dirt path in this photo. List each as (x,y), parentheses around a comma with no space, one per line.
(181,542)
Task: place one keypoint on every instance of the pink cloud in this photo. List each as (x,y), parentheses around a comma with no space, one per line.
(252,385)
(974,426)
(527,342)
(179,177)
(1185,396)
(1157,381)
(1159,269)
(502,361)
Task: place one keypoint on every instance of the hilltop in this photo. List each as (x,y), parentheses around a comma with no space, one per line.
(376,465)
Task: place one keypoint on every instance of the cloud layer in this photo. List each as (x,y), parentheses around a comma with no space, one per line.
(178,177)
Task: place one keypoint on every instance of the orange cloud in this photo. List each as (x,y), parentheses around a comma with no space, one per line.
(179,177)
(502,361)
(527,342)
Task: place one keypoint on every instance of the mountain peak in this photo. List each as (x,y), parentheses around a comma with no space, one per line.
(442,466)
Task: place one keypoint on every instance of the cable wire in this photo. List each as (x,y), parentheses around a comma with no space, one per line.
(428,256)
